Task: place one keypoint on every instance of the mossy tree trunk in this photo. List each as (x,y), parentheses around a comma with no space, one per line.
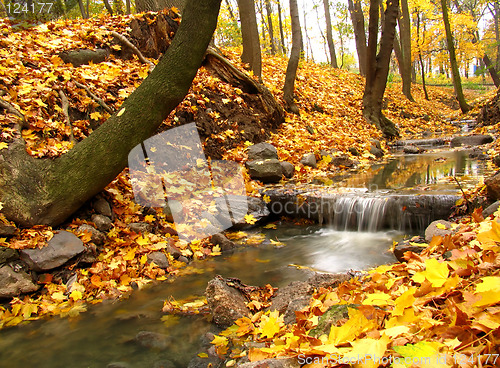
(377,66)
(43,191)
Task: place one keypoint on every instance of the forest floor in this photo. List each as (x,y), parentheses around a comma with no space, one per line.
(330,119)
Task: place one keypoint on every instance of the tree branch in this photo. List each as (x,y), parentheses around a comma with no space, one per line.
(12,109)
(65,108)
(94,97)
(136,51)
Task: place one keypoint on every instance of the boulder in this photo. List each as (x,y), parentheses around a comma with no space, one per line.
(433,229)
(412,150)
(7,230)
(295,305)
(267,171)
(343,161)
(8,255)
(478,154)
(152,340)
(225,302)
(96,236)
(496,160)
(102,223)
(140,227)
(401,248)
(471,140)
(60,249)
(493,186)
(288,169)
(159,258)
(294,290)
(223,242)
(330,318)
(376,143)
(326,280)
(14,283)
(309,159)
(491,209)
(262,151)
(174,251)
(102,207)
(240,206)
(377,152)
(354,151)
(272,363)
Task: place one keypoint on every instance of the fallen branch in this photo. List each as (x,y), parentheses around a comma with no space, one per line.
(136,51)
(12,109)
(94,97)
(469,204)
(65,108)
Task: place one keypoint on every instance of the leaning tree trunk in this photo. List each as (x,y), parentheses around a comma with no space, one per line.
(405,38)
(455,73)
(377,66)
(269,13)
(82,9)
(250,35)
(108,7)
(35,191)
(329,36)
(293,62)
(422,68)
(358,24)
(282,33)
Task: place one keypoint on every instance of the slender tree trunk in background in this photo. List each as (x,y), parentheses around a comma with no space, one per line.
(496,20)
(329,36)
(82,9)
(377,66)
(457,83)
(491,69)
(250,35)
(282,32)
(88,8)
(231,13)
(293,62)
(358,24)
(405,35)
(269,12)
(108,7)
(422,68)
(308,40)
(39,191)
(127,7)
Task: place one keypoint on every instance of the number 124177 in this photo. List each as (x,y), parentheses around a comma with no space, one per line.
(18,8)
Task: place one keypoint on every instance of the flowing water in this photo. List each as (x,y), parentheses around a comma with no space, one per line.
(106,333)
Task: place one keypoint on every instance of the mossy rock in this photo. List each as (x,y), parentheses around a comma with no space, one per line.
(331,317)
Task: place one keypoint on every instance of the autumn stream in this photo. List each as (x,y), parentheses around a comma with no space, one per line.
(106,333)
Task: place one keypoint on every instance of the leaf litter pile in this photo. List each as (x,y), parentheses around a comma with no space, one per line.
(441,302)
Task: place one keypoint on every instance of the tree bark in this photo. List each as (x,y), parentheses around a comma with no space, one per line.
(422,68)
(491,69)
(82,9)
(358,24)
(282,32)
(156,5)
(269,13)
(405,38)
(496,20)
(377,66)
(293,62)
(41,191)
(108,7)
(329,36)
(455,73)
(250,35)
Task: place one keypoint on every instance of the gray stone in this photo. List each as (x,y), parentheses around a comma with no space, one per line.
(412,150)
(7,230)
(159,258)
(60,249)
(97,237)
(102,207)
(493,186)
(223,242)
(262,151)
(491,209)
(376,143)
(102,222)
(309,159)
(343,161)
(172,210)
(330,318)
(267,171)
(354,151)
(400,250)
(240,206)
(8,255)
(140,227)
(496,160)
(272,363)
(326,280)
(288,169)
(377,152)
(14,283)
(183,259)
(293,306)
(471,140)
(214,225)
(294,290)
(226,303)
(90,254)
(152,340)
(432,230)
(174,251)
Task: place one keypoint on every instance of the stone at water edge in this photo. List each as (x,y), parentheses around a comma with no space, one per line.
(159,258)
(8,255)
(471,140)
(491,209)
(309,159)
(152,340)
(226,303)
(433,230)
(96,236)
(267,171)
(285,295)
(7,230)
(377,152)
(102,207)
(61,248)
(140,227)
(223,242)
(239,207)
(102,223)
(14,283)
(413,150)
(288,169)
(262,151)
(493,186)
(343,160)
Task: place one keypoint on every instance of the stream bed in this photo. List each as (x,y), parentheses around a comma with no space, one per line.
(106,332)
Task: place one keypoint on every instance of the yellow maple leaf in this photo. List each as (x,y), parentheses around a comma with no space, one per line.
(219,341)
(3,145)
(142,240)
(270,325)
(367,352)
(149,218)
(489,290)
(435,272)
(379,299)
(404,301)
(76,295)
(355,326)
(250,219)
(441,226)
(130,255)
(95,115)
(266,198)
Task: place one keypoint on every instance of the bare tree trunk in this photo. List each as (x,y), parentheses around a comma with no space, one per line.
(422,68)
(231,13)
(457,83)
(38,191)
(82,9)
(405,38)
(496,20)
(293,62)
(269,12)
(108,7)
(329,36)
(377,66)
(358,24)
(127,5)
(491,69)
(282,33)
(156,5)
(250,35)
